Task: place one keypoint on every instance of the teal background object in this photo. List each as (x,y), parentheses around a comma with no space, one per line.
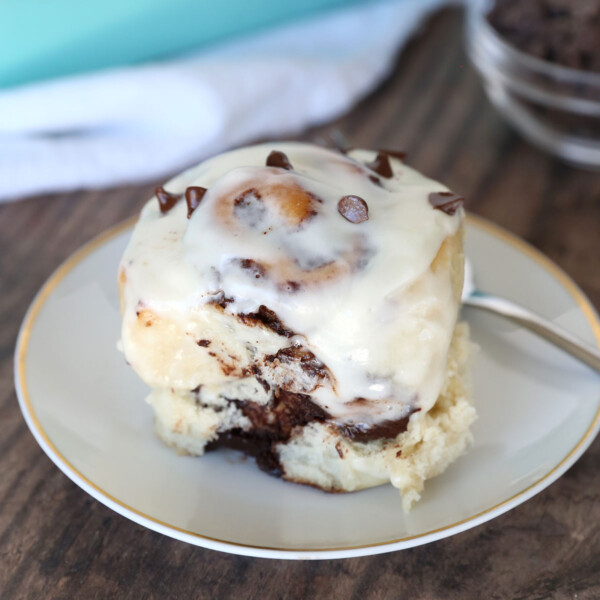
(40,39)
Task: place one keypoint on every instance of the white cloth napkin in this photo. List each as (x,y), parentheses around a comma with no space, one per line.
(142,123)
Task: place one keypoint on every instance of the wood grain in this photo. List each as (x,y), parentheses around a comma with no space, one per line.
(57,542)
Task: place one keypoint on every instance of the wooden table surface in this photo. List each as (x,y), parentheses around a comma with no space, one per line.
(57,542)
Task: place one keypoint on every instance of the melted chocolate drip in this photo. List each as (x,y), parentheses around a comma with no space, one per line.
(381,165)
(360,432)
(289,410)
(166,200)
(353,209)
(256,371)
(309,363)
(448,202)
(285,411)
(252,445)
(193,197)
(279,159)
(268,318)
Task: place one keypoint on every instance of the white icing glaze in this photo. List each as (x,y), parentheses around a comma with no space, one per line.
(383,337)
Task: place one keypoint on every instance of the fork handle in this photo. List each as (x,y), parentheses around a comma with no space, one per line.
(544,328)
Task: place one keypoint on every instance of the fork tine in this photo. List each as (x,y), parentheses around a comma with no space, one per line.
(321,140)
(334,138)
(339,140)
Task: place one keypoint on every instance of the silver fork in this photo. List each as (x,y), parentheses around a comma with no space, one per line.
(471,296)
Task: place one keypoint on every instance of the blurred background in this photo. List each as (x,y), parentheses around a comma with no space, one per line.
(100,94)
(103,94)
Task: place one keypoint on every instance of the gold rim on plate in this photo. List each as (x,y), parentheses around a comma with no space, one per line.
(25,401)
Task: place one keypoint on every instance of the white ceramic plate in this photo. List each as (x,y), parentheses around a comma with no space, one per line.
(538,411)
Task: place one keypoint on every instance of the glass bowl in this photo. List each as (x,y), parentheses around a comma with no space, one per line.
(556,108)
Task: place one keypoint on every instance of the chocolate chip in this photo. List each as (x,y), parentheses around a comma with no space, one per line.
(166,200)
(193,197)
(353,209)
(381,165)
(449,202)
(375,180)
(203,343)
(279,159)
(564,32)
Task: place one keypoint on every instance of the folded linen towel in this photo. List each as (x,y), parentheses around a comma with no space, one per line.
(140,123)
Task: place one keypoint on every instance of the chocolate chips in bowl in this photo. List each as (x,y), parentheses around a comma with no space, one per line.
(540,64)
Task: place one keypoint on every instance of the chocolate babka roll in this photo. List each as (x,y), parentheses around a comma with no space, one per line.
(300,305)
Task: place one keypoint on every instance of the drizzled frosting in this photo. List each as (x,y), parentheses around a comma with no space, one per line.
(360,291)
